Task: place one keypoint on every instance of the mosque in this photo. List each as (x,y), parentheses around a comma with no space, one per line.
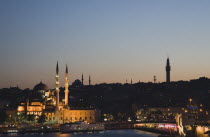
(47,102)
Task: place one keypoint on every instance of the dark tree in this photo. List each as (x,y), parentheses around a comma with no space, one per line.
(21,117)
(3,116)
(31,118)
(42,119)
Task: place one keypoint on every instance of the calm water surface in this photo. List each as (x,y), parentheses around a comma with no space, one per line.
(108,133)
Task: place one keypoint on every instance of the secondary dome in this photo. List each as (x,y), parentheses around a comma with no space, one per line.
(50,103)
(40,86)
(77,83)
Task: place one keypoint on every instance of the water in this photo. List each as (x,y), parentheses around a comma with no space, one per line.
(108,133)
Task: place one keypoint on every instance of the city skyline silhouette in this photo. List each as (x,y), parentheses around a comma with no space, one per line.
(109,40)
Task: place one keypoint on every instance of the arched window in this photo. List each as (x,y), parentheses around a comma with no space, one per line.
(49,116)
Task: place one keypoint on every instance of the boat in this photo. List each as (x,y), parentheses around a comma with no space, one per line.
(9,129)
(167,135)
(81,127)
(37,129)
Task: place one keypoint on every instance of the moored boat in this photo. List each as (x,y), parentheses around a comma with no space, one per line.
(167,135)
(9,129)
(81,127)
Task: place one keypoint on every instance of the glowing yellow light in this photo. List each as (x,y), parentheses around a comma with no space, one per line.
(20,108)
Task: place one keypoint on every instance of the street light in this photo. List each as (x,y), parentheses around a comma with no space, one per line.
(190,101)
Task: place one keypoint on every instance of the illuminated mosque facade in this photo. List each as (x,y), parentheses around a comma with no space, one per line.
(47,102)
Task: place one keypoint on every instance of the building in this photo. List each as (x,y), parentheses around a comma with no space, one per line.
(47,102)
(157,114)
(67,115)
(190,114)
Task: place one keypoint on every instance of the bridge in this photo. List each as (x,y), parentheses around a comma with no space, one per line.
(168,128)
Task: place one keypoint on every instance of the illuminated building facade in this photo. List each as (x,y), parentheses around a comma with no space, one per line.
(47,102)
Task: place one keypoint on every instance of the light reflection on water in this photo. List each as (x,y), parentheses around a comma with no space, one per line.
(107,133)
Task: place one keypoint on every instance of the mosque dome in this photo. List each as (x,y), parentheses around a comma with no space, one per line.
(77,83)
(40,86)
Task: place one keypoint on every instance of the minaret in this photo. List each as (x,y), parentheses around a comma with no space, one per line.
(82,79)
(168,69)
(66,87)
(131,82)
(89,81)
(57,87)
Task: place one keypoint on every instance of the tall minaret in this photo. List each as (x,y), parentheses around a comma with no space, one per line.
(131,81)
(89,81)
(168,69)
(82,79)
(66,87)
(57,87)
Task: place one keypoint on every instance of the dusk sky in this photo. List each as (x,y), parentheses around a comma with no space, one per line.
(111,40)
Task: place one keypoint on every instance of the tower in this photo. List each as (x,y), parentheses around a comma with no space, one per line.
(168,69)
(89,81)
(131,81)
(155,79)
(66,87)
(82,79)
(57,90)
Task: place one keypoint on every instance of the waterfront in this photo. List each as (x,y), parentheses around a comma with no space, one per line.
(107,133)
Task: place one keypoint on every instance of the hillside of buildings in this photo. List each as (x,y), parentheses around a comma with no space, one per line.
(122,99)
